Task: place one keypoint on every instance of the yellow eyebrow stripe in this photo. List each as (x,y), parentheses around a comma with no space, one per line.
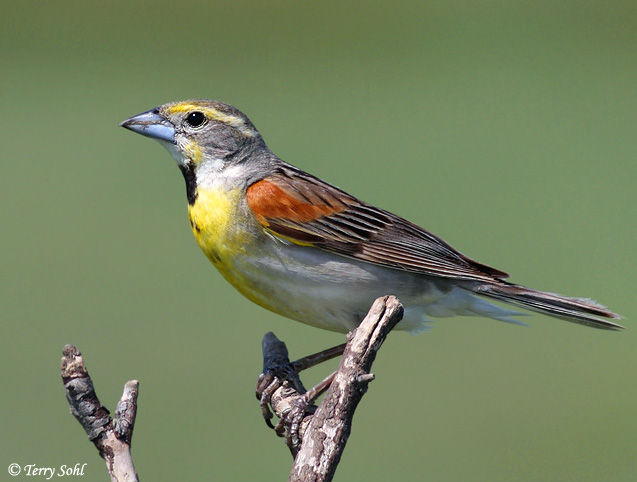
(213,114)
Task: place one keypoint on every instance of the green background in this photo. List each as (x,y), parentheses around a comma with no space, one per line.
(506,127)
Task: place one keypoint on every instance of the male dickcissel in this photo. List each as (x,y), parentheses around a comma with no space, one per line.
(309,251)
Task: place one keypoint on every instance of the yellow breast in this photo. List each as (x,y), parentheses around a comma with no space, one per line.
(224,234)
(217,226)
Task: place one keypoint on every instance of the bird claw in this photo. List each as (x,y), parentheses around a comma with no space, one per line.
(273,378)
(280,378)
(289,424)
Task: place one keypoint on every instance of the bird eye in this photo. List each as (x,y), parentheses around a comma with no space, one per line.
(195,119)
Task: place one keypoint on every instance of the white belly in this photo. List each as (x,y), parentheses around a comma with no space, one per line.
(335,293)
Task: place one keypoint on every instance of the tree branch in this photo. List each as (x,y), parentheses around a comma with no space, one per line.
(321,433)
(112,437)
(315,435)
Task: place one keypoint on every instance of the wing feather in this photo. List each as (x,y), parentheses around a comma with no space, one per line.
(302,208)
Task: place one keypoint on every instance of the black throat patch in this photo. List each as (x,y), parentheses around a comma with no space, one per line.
(191,181)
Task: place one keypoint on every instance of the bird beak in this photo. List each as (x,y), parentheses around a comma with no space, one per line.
(151,124)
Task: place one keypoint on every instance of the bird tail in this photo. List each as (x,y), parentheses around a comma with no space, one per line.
(577,310)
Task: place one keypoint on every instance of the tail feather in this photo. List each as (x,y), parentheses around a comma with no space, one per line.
(577,310)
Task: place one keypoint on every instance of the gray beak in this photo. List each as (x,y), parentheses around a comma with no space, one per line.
(151,124)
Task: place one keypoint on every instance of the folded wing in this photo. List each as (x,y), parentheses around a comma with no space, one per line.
(303,209)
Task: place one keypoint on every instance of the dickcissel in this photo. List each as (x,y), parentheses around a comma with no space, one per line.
(307,250)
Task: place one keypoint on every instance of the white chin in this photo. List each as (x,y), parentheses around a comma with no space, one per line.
(177,154)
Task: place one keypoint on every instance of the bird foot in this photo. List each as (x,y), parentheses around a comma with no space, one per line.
(279,389)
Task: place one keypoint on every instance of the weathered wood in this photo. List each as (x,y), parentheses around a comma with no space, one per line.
(315,435)
(111,436)
(319,438)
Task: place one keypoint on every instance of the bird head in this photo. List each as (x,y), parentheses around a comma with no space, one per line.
(198,132)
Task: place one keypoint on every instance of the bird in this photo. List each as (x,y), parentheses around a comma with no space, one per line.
(309,251)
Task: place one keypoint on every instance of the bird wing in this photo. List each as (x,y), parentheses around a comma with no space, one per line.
(305,210)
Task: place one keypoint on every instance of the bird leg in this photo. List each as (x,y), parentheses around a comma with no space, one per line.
(320,357)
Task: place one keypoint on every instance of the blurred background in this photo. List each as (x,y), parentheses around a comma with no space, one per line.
(508,128)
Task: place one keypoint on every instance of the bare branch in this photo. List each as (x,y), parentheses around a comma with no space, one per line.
(112,437)
(317,436)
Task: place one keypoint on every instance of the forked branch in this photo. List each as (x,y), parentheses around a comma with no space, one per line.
(317,435)
(111,436)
